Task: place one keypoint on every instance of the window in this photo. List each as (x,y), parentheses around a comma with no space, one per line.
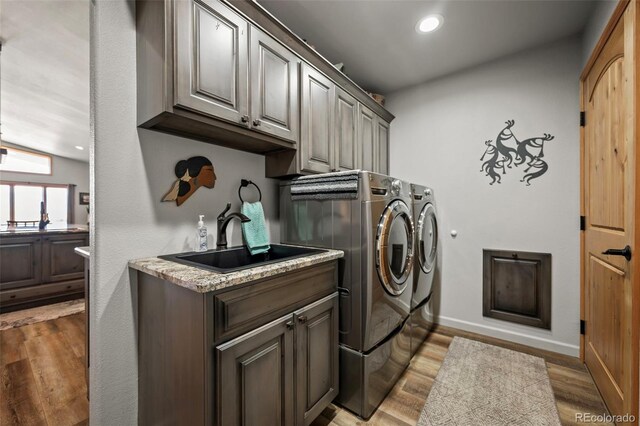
(20,202)
(17,160)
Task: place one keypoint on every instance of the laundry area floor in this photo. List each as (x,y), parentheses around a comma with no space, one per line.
(43,378)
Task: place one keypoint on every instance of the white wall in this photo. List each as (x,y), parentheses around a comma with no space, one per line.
(64,171)
(133,169)
(438,138)
(595,25)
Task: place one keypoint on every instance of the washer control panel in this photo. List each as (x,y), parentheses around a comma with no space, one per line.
(396,187)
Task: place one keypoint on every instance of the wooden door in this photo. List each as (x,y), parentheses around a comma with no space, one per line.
(20,262)
(274,87)
(255,377)
(383,146)
(610,174)
(346,147)
(59,260)
(316,358)
(211,70)
(367,139)
(316,138)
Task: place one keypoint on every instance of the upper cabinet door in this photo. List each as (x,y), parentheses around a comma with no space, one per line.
(316,137)
(211,69)
(346,131)
(367,139)
(274,87)
(383,146)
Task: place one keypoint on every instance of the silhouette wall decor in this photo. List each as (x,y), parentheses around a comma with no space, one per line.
(508,152)
(192,174)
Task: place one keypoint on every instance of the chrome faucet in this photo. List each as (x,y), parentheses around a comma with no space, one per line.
(223,221)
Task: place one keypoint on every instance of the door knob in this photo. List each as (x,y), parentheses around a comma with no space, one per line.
(256,122)
(626,252)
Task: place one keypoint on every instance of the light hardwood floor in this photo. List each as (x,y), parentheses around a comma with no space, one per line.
(43,379)
(572,385)
(43,373)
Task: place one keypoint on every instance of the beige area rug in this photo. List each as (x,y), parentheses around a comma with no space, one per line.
(480,384)
(41,313)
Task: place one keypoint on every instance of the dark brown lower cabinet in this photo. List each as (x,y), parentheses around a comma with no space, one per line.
(316,358)
(260,353)
(260,372)
(40,269)
(255,376)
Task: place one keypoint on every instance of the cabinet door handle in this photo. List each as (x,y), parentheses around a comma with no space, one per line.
(302,319)
(256,122)
(245,118)
(290,325)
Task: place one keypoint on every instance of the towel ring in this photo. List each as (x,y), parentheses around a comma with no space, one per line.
(244,183)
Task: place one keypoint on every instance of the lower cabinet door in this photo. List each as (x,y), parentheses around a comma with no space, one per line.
(59,261)
(316,358)
(20,262)
(255,377)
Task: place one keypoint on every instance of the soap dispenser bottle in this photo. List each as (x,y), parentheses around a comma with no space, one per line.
(201,235)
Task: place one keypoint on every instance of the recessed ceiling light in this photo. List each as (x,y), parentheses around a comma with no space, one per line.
(81,148)
(429,23)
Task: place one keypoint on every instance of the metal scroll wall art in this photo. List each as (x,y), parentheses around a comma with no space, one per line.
(508,151)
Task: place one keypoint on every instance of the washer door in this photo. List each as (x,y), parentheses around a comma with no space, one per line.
(427,238)
(394,247)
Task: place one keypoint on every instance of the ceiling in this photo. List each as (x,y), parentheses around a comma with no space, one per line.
(45,75)
(382,52)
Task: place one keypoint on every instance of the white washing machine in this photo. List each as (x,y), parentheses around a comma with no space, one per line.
(425,260)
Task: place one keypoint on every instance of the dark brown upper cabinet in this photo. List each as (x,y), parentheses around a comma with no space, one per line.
(346,131)
(274,87)
(316,139)
(227,72)
(197,83)
(211,60)
(382,146)
(367,139)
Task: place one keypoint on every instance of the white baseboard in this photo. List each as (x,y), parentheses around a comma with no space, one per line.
(512,336)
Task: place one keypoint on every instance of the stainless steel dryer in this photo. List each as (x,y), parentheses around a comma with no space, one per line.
(426,250)
(373,225)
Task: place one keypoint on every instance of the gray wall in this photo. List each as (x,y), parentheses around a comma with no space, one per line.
(597,21)
(133,169)
(438,138)
(64,171)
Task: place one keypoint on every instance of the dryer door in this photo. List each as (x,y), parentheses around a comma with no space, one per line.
(427,234)
(394,247)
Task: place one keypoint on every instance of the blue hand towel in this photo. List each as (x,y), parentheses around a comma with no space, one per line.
(255,232)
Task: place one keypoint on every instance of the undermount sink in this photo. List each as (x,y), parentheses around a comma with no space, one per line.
(238,258)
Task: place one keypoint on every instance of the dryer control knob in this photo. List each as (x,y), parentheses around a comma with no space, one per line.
(428,192)
(396,187)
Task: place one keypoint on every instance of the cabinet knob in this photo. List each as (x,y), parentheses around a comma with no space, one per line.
(256,122)
(290,325)
(245,119)
(302,319)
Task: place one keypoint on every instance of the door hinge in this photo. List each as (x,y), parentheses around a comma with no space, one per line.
(582,118)
(583,327)
(582,223)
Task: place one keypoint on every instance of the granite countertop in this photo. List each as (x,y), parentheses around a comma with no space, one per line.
(83,251)
(50,229)
(205,281)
